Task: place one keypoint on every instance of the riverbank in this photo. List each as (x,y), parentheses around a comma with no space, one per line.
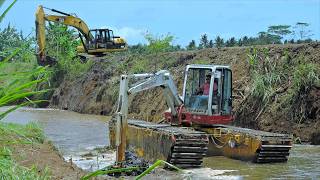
(26,154)
(276,88)
(80,135)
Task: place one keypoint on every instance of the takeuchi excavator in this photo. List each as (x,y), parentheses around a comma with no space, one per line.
(94,41)
(197,123)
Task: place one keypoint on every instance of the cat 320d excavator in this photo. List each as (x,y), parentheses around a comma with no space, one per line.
(94,41)
(197,123)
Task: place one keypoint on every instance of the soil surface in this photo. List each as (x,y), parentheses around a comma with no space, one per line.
(45,155)
(96,91)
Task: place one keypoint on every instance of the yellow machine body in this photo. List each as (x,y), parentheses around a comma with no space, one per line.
(101,42)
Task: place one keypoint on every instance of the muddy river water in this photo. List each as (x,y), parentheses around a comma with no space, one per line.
(83,139)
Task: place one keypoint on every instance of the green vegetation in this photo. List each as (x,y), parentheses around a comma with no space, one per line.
(139,62)
(305,76)
(273,35)
(62,47)
(19,77)
(158,44)
(155,165)
(283,84)
(12,135)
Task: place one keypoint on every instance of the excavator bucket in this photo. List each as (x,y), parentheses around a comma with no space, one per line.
(46,60)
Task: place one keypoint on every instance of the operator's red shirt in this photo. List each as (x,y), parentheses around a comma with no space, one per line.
(206,88)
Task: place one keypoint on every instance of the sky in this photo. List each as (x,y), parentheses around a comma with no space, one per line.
(185,19)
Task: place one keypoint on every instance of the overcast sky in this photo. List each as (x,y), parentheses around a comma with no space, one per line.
(186,20)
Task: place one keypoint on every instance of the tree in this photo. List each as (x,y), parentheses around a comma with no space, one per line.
(280,30)
(266,38)
(240,43)
(245,40)
(211,44)
(157,44)
(231,42)
(291,41)
(61,43)
(219,42)
(204,41)
(302,31)
(138,48)
(192,45)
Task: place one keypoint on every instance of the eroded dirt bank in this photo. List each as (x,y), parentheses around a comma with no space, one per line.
(46,156)
(287,109)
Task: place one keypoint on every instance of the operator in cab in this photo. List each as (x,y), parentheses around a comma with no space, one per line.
(205,88)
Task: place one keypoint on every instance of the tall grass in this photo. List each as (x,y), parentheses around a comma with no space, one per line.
(18,134)
(13,134)
(18,84)
(305,76)
(265,75)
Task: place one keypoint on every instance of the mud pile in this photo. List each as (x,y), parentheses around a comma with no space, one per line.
(96,91)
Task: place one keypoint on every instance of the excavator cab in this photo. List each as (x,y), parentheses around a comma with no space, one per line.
(103,39)
(207,93)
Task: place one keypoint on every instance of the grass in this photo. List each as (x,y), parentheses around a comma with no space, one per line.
(305,75)
(13,135)
(18,134)
(281,83)
(18,80)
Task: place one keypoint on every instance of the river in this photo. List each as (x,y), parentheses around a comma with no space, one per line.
(84,139)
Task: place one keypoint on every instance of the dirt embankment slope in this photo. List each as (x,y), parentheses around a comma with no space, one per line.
(46,156)
(287,109)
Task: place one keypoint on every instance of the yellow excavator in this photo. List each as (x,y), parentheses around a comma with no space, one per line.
(94,42)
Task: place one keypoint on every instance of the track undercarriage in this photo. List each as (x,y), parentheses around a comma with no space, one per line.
(247,144)
(186,147)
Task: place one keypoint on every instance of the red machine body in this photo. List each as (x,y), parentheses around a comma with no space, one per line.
(207,98)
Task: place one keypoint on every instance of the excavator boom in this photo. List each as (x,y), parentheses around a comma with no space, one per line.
(142,82)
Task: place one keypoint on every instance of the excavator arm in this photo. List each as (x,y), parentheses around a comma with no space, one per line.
(65,18)
(142,82)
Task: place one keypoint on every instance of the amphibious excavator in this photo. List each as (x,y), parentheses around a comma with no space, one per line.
(94,41)
(197,123)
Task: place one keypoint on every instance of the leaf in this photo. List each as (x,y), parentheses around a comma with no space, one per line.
(24,86)
(8,99)
(15,52)
(4,114)
(1,2)
(7,10)
(156,164)
(108,171)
